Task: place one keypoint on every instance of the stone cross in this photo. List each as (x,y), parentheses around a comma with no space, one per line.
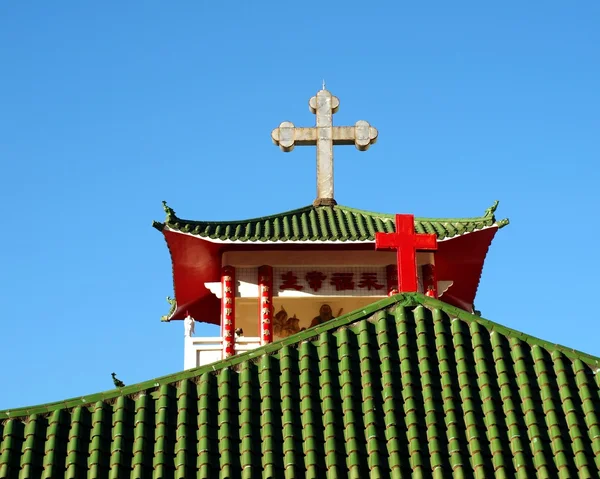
(324,135)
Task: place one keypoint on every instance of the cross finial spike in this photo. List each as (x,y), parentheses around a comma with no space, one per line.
(323,84)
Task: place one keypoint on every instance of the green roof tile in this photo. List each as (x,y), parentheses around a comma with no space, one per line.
(322,223)
(407,387)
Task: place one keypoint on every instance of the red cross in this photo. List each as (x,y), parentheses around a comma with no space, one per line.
(406,242)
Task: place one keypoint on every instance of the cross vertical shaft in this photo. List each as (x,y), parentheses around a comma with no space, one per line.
(324,111)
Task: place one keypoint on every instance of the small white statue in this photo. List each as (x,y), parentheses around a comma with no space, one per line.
(189,324)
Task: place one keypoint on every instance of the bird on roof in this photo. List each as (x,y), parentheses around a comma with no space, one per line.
(118,383)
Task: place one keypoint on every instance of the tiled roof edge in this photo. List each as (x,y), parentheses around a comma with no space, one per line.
(397,301)
(463,315)
(406,299)
(171,216)
(337,224)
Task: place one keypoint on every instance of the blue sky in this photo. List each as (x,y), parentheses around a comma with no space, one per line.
(108,108)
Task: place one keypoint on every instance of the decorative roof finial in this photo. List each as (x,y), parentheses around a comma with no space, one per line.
(169,211)
(173,304)
(323,84)
(491,210)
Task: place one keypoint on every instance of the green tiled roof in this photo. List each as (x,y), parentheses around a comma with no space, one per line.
(408,387)
(323,223)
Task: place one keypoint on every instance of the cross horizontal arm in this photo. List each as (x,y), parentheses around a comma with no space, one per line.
(426,242)
(305,136)
(362,135)
(343,135)
(387,240)
(286,136)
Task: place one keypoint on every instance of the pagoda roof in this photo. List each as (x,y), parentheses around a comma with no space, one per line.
(321,224)
(408,385)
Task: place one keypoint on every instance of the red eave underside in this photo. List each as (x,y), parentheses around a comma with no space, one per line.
(461,260)
(197,261)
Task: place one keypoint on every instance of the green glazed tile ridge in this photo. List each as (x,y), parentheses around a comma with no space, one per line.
(405,387)
(321,223)
(399,301)
(571,353)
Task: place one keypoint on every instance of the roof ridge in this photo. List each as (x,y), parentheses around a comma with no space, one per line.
(365,212)
(417,218)
(246,220)
(400,300)
(405,299)
(506,331)
(489,214)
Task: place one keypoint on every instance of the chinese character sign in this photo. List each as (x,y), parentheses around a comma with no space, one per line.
(369,281)
(342,281)
(329,280)
(290,281)
(315,279)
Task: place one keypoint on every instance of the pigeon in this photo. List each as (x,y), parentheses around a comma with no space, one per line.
(118,383)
